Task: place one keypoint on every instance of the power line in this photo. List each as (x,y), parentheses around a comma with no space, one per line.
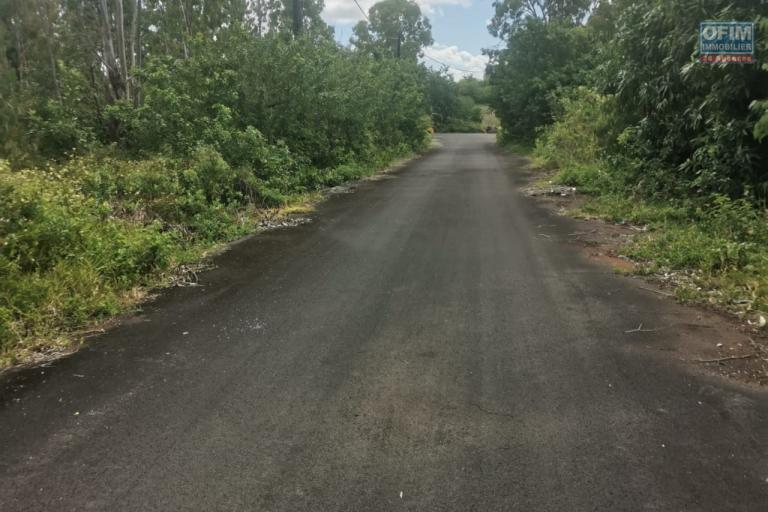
(361,10)
(449,66)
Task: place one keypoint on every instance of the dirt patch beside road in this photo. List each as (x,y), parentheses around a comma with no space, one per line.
(708,338)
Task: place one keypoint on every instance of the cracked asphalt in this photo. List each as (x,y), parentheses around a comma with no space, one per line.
(418,346)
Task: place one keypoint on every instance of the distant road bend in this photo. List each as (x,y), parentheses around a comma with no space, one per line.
(419,346)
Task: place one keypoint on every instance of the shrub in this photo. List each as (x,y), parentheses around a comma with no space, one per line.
(540,59)
(574,143)
(583,126)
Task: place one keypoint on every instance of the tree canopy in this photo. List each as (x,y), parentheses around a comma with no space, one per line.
(509,15)
(395,28)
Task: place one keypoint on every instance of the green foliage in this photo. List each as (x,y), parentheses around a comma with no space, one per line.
(690,128)
(720,246)
(509,15)
(541,59)
(58,131)
(725,236)
(394,28)
(473,88)
(454,106)
(760,130)
(581,129)
(575,143)
(66,253)
(194,78)
(675,127)
(326,104)
(619,208)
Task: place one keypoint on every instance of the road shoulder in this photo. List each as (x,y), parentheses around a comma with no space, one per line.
(709,340)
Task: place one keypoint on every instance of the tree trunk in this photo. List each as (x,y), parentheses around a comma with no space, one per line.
(186,26)
(20,59)
(120,30)
(260,16)
(116,83)
(298,17)
(43,10)
(136,49)
(134,30)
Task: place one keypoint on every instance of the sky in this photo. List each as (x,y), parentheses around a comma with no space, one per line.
(458,28)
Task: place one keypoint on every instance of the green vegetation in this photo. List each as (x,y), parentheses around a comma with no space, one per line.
(394,28)
(458,106)
(718,249)
(616,101)
(137,134)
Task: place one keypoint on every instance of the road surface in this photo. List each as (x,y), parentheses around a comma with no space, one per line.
(422,345)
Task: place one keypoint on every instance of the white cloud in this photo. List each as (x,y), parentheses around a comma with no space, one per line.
(345,11)
(460,62)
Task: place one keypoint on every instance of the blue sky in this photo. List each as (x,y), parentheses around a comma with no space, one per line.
(458,28)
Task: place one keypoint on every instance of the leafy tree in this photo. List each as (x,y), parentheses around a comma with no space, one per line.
(689,125)
(454,106)
(395,28)
(509,15)
(541,58)
(473,88)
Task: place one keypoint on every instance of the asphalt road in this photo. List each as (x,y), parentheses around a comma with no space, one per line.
(419,346)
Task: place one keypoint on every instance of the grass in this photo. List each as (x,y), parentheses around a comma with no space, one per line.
(619,208)
(715,252)
(520,149)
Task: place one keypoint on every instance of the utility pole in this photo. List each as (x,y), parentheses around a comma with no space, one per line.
(298,17)
(399,41)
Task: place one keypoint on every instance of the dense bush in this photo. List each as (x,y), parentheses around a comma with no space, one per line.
(455,106)
(327,104)
(576,142)
(581,129)
(66,253)
(689,125)
(541,59)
